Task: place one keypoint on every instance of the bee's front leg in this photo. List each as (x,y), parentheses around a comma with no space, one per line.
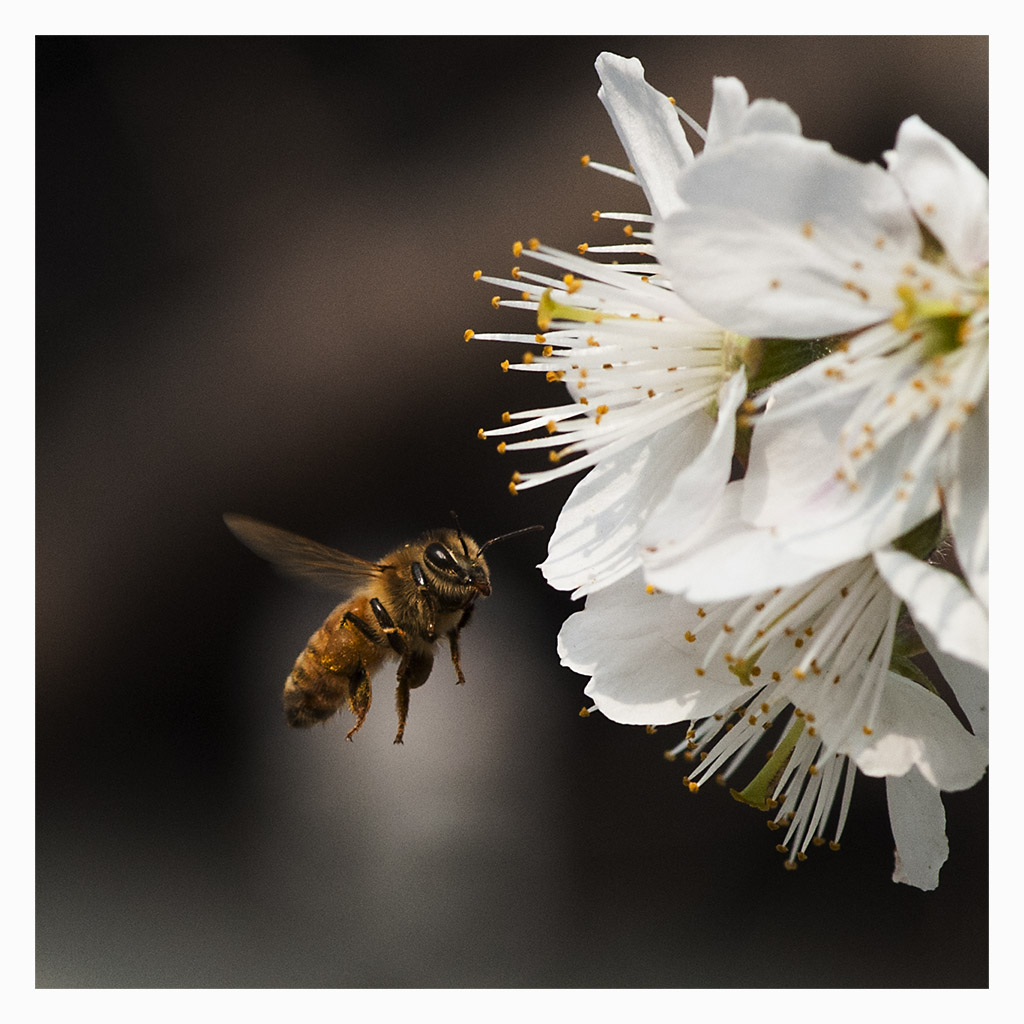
(453,642)
(430,633)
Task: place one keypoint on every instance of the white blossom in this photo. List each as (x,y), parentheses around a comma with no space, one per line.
(652,386)
(781,237)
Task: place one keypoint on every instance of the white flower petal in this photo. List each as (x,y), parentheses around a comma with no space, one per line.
(595,539)
(968,682)
(733,115)
(697,490)
(966,493)
(938,600)
(946,190)
(792,485)
(918,822)
(729,104)
(643,671)
(648,127)
(773,234)
(916,729)
(726,558)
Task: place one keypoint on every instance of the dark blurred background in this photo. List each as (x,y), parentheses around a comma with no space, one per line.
(254,261)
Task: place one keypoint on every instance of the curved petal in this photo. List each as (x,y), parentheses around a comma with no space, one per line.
(733,115)
(642,670)
(918,822)
(696,492)
(595,539)
(793,487)
(946,190)
(729,103)
(968,682)
(727,558)
(940,601)
(915,729)
(648,127)
(966,493)
(783,237)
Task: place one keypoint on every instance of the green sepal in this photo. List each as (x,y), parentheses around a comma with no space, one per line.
(757,792)
(770,359)
(923,539)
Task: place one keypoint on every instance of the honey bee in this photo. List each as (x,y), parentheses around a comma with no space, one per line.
(397,607)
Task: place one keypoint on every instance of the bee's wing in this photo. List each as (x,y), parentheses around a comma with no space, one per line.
(303,558)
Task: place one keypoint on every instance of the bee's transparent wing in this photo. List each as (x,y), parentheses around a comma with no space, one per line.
(305,559)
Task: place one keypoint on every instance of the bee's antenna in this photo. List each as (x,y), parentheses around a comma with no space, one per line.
(514,533)
(458,529)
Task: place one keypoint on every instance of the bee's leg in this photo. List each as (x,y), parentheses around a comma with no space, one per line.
(424,591)
(412,672)
(359,695)
(395,636)
(453,642)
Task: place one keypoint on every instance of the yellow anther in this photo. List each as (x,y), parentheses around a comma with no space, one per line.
(515,273)
(585,159)
(584,712)
(501,447)
(595,216)
(651,589)
(504,366)
(650,729)
(527,357)
(467,335)
(477,274)
(868,731)
(628,230)
(593,342)
(833,845)
(525,296)
(546,351)
(552,426)
(699,671)
(480,433)
(689,637)
(554,375)
(517,248)
(534,244)
(506,417)
(669,755)
(554,457)
(496,301)
(807,229)
(812,769)
(582,248)
(693,787)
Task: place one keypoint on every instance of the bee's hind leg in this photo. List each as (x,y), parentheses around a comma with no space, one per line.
(412,672)
(359,695)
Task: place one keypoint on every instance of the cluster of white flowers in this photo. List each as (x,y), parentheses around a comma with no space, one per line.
(779,388)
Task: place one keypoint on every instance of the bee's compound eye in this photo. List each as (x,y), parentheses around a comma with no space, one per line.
(441,558)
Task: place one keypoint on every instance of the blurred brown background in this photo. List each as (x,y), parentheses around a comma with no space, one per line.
(254,263)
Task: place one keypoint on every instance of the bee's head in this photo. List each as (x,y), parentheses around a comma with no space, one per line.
(457,561)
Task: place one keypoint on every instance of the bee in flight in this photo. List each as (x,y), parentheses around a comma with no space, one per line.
(399,606)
